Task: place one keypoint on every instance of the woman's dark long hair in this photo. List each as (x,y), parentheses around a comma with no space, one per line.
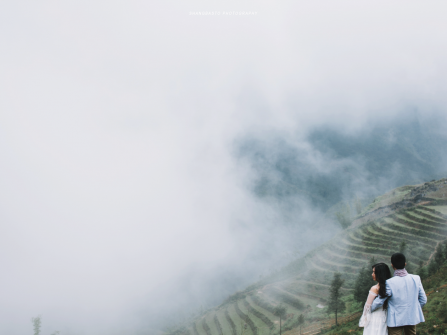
(382,272)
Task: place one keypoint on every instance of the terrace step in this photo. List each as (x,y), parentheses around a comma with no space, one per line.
(387,231)
(419,225)
(318,268)
(205,327)
(367,250)
(226,327)
(372,252)
(194,329)
(266,310)
(217,324)
(197,329)
(434,211)
(333,263)
(379,236)
(210,322)
(416,232)
(287,297)
(441,218)
(383,229)
(365,256)
(394,245)
(230,322)
(366,235)
(382,244)
(420,217)
(301,295)
(262,317)
(357,261)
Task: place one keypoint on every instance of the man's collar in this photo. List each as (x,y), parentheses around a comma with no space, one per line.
(400,272)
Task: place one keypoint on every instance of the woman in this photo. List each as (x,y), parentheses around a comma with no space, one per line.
(375,322)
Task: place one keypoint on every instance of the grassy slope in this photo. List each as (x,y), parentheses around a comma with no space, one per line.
(435,311)
(377,232)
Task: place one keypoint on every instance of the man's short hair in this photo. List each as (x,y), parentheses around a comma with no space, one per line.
(398,260)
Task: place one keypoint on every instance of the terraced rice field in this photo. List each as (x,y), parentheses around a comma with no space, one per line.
(420,227)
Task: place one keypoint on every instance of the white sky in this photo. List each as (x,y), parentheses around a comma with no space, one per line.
(117,120)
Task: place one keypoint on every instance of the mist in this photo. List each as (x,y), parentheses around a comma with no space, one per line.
(145,150)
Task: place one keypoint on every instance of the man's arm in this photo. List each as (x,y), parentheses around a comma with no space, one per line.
(421,296)
(379,301)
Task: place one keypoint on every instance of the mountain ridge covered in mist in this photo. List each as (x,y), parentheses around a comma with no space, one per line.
(331,165)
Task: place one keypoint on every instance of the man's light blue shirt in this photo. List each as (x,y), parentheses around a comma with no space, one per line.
(406,297)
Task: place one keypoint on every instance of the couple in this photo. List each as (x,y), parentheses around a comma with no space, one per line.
(395,303)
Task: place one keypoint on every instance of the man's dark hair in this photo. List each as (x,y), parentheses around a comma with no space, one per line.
(398,260)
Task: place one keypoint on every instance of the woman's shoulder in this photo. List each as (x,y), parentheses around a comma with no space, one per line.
(375,289)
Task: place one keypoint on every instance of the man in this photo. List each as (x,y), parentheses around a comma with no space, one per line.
(406,297)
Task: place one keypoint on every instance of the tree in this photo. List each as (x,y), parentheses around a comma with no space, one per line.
(364,282)
(445,250)
(301,321)
(280,311)
(432,268)
(36,324)
(344,216)
(402,246)
(422,272)
(358,205)
(361,285)
(439,254)
(336,305)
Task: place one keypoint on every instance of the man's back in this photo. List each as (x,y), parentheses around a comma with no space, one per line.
(405,301)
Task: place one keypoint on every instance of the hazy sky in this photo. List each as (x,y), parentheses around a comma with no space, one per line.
(117,121)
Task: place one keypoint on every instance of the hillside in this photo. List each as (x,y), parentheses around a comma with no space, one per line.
(435,311)
(415,215)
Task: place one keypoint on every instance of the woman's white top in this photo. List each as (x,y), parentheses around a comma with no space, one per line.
(374,323)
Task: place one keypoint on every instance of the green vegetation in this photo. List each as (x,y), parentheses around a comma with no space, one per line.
(300,321)
(280,311)
(358,204)
(363,283)
(36,325)
(336,305)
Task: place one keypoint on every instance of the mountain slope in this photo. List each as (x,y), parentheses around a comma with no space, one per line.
(411,217)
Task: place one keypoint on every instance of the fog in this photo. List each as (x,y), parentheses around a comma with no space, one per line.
(133,137)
